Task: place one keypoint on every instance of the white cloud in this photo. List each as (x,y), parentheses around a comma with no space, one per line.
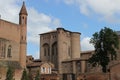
(37,22)
(9,10)
(69,1)
(106,10)
(85,45)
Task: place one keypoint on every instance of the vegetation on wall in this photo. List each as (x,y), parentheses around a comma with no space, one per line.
(25,75)
(10,74)
(37,77)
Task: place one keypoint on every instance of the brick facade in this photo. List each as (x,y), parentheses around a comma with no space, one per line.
(13,41)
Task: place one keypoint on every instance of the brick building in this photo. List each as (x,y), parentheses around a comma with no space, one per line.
(13,41)
(61,57)
(46,69)
(62,48)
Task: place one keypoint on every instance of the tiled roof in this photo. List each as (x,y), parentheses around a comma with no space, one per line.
(34,64)
(38,64)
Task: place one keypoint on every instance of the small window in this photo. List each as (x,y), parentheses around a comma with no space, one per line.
(41,69)
(44,70)
(49,70)
(22,37)
(44,51)
(9,51)
(22,17)
(22,20)
(48,52)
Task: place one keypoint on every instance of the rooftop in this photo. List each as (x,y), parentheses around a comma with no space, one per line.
(57,29)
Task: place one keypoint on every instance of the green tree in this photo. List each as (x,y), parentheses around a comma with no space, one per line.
(24,75)
(30,76)
(106,42)
(37,77)
(10,74)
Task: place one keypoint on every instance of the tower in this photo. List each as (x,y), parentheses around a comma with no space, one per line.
(23,31)
(58,46)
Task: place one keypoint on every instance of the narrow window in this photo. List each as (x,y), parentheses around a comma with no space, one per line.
(49,70)
(69,52)
(9,51)
(22,37)
(41,69)
(44,51)
(44,69)
(22,20)
(48,52)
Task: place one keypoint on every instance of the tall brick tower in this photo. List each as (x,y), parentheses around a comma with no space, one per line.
(58,46)
(23,40)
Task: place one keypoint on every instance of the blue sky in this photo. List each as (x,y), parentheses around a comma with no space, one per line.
(84,16)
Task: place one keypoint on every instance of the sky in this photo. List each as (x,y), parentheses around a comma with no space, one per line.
(84,16)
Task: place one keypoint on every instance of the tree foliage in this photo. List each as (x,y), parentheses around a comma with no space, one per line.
(24,75)
(106,42)
(10,74)
(37,77)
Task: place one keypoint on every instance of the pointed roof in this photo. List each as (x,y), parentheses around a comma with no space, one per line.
(23,9)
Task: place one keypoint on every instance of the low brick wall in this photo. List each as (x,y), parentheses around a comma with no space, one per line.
(93,76)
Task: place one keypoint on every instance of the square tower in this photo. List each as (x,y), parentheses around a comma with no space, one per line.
(59,45)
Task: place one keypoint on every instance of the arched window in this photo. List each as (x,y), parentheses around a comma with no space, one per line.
(46,49)
(54,56)
(54,49)
(9,51)
(2,48)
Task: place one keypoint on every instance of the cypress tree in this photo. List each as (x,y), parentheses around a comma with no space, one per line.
(37,77)
(10,74)
(24,75)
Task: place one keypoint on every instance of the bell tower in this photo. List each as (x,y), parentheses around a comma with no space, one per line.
(23,35)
